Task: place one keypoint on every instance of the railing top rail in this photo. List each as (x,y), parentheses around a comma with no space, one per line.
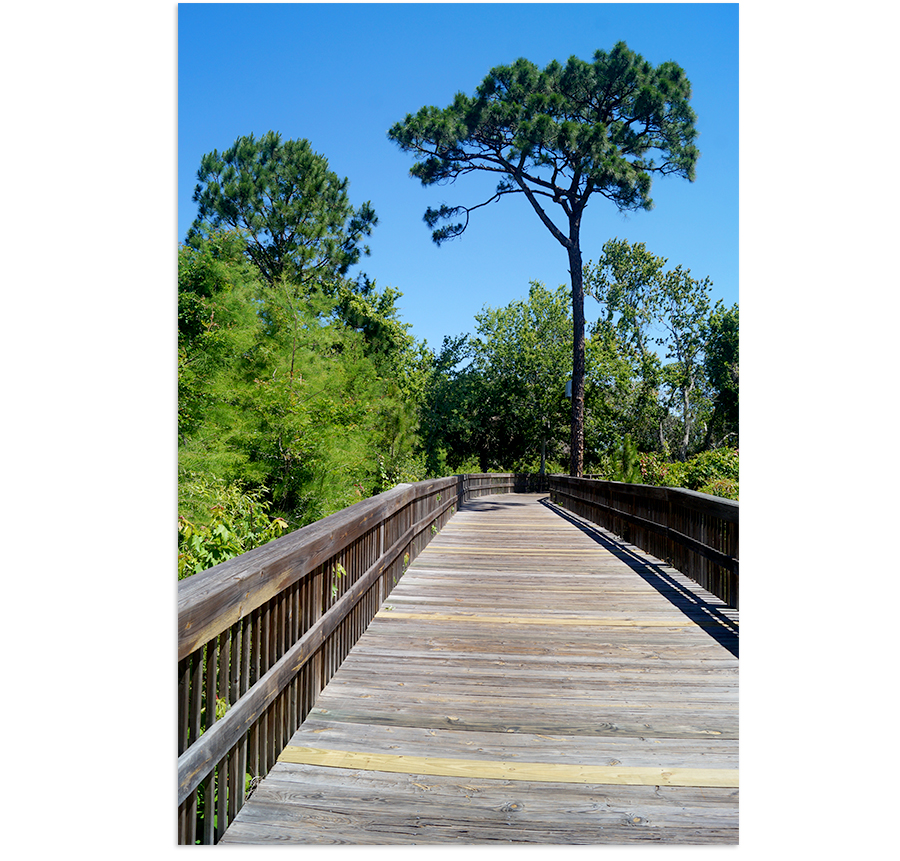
(212,600)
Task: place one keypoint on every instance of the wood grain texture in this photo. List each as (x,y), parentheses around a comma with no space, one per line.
(491,684)
(540,772)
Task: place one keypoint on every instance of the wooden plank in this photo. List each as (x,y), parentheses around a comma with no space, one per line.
(514,723)
(541,772)
(485,744)
(555,621)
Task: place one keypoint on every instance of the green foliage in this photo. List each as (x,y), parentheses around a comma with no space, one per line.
(282,393)
(522,358)
(709,467)
(715,472)
(361,307)
(219,521)
(654,469)
(725,487)
(496,400)
(722,371)
(560,133)
(217,322)
(649,307)
(407,469)
(532,464)
(294,213)
(336,573)
(626,465)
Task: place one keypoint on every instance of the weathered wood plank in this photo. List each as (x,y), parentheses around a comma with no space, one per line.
(541,772)
(514,723)
(481,743)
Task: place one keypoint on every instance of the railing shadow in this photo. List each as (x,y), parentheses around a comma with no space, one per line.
(722,629)
(490,505)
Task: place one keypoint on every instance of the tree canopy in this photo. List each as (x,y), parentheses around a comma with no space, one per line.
(647,305)
(496,399)
(559,135)
(287,399)
(722,370)
(293,211)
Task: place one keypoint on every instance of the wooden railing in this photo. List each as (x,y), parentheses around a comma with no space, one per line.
(484,483)
(694,532)
(260,635)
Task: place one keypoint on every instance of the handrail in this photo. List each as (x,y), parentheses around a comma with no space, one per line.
(695,532)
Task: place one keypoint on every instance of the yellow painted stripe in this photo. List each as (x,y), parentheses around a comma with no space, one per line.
(547,620)
(533,771)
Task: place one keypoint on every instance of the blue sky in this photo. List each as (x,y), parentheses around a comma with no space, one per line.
(340,75)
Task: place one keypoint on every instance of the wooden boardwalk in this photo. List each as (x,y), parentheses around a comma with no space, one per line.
(531,679)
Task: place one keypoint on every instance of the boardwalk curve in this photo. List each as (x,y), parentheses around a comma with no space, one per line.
(530,679)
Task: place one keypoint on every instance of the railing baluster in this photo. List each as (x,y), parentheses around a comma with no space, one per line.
(184,703)
(196,694)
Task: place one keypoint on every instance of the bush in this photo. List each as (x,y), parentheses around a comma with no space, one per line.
(531,464)
(714,472)
(654,470)
(406,469)
(676,474)
(220,521)
(709,467)
(626,463)
(722,487)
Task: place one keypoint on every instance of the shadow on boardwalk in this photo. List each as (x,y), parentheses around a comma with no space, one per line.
(712,616)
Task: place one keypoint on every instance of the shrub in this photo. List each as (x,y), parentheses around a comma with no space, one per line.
(626,463)
(406,469)
(714,472)
(709,467)
(722,487)
(676,474)
(221,522)
(654,470)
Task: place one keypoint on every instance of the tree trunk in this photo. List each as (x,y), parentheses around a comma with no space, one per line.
(576,461)
(686,418)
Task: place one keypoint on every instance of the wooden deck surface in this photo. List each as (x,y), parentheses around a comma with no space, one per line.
(531,679)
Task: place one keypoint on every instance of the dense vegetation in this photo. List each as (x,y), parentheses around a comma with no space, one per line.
(301,391)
